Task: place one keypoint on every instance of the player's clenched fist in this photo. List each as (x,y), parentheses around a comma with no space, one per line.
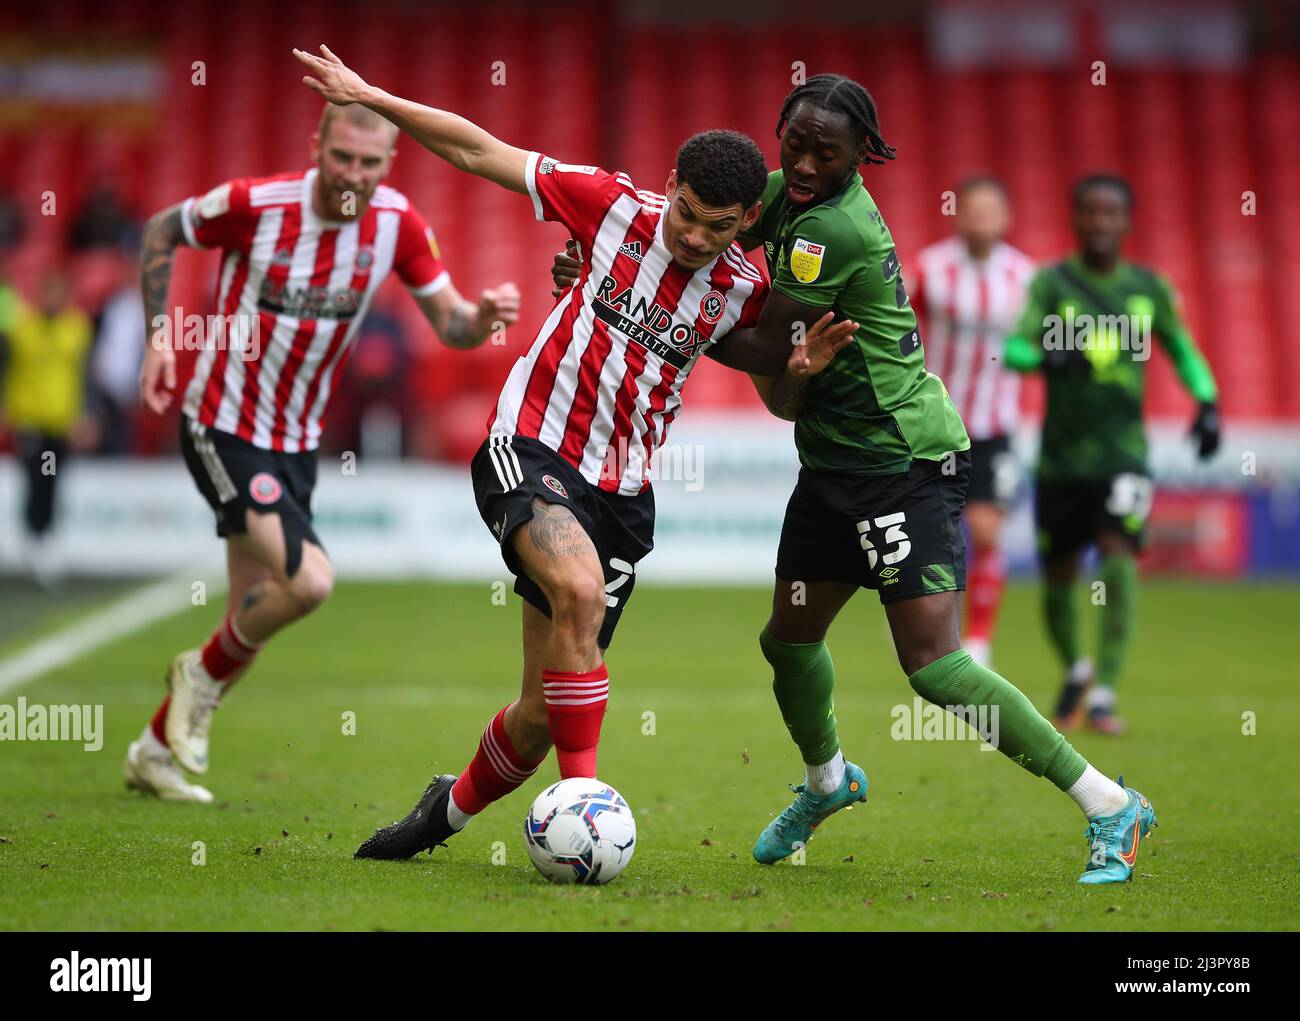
(157,378)
(499,305)
(565,270)
(334,79)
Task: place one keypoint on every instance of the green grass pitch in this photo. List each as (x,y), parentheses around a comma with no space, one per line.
(952,837)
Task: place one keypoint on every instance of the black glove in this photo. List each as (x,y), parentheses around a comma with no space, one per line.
(1205,429)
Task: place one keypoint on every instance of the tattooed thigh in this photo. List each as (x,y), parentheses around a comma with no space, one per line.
(556,533)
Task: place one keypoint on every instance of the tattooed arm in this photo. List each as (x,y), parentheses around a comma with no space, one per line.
(162,234)
(460,323)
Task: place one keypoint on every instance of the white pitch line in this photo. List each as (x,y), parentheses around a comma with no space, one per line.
(130,614)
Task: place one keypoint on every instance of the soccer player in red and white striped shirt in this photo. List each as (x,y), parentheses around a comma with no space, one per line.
(970,290)
(562,480)
(302,256)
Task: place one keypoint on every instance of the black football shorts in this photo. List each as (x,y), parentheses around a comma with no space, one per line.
(994,472)
(235,476)
(1072,514)
(510,472)
(898,534)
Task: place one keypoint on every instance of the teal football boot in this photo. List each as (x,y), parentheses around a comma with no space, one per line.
(794,827)
(1113,839)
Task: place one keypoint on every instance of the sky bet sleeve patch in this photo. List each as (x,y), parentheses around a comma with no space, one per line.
(806,260)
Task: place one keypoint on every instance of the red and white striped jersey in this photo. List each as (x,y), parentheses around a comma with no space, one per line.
(968,307)
(304,285)
(602,381)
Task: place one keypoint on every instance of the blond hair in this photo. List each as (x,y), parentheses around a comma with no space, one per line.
(355,113)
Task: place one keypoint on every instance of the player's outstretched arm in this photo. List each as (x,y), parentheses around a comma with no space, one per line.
(460,323)
(1020,354)
(1023,349)
(162,234)
(789,337)
(791,343)
(1192,369)
(461,143)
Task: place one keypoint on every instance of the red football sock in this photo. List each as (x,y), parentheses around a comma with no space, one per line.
(159,722)
(226,652)
(495,771)
(984,593)
(575,705)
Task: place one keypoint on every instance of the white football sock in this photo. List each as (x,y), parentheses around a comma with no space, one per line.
(1097,795)
(826,778)
(150,744)
(455,817)
(979,650)
(1101,696)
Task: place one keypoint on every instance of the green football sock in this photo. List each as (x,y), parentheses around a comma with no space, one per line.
(1058,611)
(803,680)
(1022,734)
(1118,615)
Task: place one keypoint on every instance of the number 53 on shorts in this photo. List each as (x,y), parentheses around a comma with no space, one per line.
(899,534)
(894,534)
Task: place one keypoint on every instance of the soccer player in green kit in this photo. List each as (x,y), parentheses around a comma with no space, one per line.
(1087,325)
(878,503)
(885,462)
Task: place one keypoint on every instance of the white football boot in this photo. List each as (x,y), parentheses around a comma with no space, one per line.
(195,697)
(151,769)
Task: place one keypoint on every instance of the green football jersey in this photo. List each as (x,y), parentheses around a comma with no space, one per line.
(1092,334)
(874,407)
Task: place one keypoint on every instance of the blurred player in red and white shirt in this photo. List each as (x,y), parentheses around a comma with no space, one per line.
(561,480)
(970,290)
(302,256)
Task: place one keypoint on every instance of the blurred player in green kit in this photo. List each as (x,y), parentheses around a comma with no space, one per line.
(1088,326)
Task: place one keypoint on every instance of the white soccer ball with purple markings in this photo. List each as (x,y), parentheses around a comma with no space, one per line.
(580,831)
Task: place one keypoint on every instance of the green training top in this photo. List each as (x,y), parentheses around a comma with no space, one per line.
(1091,334)
(874,407)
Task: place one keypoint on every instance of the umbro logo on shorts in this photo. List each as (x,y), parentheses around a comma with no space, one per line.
(632,249)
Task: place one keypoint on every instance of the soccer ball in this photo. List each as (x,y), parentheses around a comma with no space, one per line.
(580,831)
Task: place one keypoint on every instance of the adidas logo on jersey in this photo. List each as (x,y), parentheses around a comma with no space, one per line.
(632,249)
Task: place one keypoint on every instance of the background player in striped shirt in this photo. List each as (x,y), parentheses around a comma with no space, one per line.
(303,254)
(1093,482)
(562,480)
(968,293)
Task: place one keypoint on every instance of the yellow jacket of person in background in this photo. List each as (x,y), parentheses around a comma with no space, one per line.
(44,366)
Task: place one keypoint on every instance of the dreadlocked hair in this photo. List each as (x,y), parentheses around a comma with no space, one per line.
(837,93)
